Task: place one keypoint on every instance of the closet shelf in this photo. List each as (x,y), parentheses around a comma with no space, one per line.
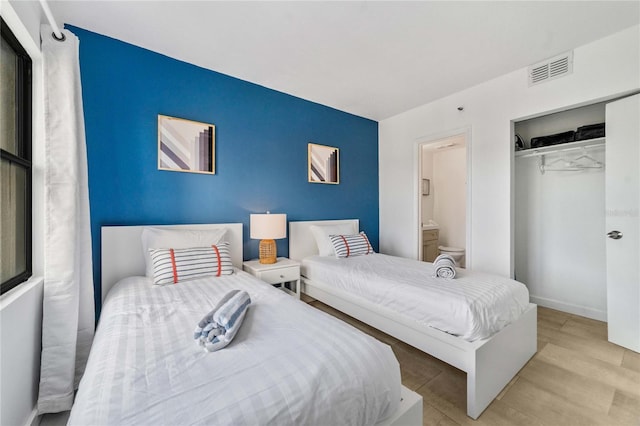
(569,146)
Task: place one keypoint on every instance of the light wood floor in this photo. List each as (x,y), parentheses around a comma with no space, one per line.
(576,378)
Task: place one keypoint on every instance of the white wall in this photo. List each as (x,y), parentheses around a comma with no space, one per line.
(560,236)
(21,307)
(450,195)
(602,69)
(427,173)
(20,346)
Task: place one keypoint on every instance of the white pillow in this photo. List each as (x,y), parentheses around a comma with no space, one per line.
(157,238)
(322,232)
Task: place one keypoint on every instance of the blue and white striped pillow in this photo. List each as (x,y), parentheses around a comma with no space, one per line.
(351,245)
(171,266)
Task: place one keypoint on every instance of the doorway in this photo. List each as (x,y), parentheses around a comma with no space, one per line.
(443,198)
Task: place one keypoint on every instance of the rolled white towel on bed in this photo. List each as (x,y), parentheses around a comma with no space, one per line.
(219,327)
(445,266)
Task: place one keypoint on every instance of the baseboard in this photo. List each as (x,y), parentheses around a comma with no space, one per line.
(583,311)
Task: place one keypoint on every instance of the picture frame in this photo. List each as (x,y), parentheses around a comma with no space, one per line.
(323,164)
(426,186)
(186,145)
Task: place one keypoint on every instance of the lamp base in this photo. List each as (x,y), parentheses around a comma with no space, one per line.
(267,250)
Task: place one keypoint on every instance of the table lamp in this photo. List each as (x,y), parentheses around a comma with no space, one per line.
(267,228)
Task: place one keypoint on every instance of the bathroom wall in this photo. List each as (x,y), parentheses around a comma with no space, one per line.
(427,173)
(449,186)
(446,168)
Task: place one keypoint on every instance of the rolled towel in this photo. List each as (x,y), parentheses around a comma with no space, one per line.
(219,327)
(445,266)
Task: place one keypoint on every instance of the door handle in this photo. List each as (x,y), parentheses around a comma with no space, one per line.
(616,235)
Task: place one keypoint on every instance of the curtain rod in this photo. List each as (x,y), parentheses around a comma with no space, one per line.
(57,34)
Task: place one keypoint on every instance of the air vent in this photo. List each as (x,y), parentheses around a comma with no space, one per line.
(550,69)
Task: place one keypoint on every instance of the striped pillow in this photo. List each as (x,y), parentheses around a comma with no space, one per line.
(351,245)
(171,266)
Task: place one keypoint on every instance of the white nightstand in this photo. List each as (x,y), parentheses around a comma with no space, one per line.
(285,272)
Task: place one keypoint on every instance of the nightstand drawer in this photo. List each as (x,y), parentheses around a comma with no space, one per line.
(284,274)
(280,275)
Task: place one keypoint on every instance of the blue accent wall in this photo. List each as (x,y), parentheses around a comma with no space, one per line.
(261,148)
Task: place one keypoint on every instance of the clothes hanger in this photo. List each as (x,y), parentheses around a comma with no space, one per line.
(567,165)
(549,167)
(595,164)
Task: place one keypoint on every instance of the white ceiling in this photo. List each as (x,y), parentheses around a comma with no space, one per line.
(375,59)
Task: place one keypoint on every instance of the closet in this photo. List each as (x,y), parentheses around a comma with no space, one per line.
(562,212)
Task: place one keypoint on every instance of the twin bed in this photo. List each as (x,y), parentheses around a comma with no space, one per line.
(480,323)
(289,363)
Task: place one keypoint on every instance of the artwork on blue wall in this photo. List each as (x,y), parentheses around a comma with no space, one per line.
(261,148)
(324,164)
(186,145)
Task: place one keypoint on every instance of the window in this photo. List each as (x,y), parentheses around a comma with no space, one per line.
(15,162)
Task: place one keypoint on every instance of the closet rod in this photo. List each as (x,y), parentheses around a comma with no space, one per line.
(554,149)
(57,34)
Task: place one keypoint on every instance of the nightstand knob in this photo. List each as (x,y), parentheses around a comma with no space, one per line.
(281,276)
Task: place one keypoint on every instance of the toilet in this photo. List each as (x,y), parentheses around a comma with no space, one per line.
(456,252)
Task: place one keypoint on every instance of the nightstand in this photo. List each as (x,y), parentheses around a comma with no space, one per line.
(284,274)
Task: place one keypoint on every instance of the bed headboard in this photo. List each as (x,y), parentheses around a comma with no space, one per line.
(122,249)
(301,240)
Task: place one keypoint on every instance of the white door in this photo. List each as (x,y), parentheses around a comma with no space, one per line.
(623,221)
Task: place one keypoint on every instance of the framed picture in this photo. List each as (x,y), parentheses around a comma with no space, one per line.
(186,146)
(324,164)
(426,183)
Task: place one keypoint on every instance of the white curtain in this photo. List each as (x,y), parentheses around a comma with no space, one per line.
(68,307)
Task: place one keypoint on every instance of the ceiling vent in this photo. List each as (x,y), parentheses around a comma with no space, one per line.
(553,68)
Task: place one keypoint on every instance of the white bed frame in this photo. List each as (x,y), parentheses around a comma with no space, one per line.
(490,364)
(122,257)
(122,250)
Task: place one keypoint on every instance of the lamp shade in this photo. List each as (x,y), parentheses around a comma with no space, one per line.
(268,226)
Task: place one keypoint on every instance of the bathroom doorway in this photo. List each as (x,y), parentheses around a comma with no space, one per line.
(443,198)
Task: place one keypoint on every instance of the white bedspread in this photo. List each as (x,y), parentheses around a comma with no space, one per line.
(472,306)
(288,365)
